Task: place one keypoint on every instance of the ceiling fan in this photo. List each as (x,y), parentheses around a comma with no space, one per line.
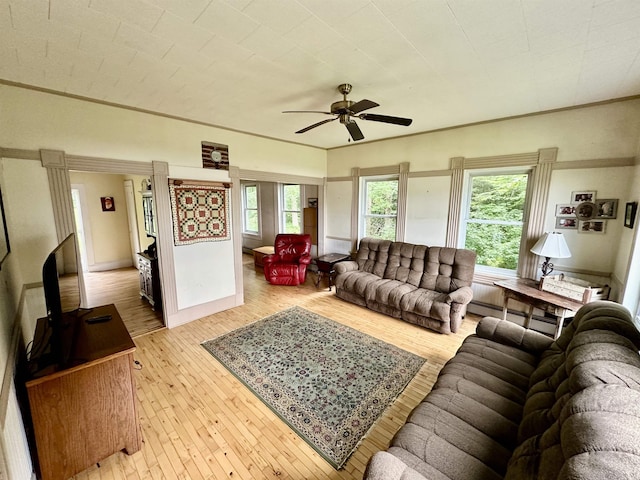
(344,110)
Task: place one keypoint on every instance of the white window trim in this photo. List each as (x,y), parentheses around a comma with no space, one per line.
(483,270)
(362,203)
(246,232)
(282,209)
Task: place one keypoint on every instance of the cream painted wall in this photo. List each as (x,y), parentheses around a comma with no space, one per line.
(591,251)
(85,128)
(628,264)
(605,131)
(427,210)
(29,214)
(109,230)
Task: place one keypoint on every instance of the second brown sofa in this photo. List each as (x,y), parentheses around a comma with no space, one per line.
(427,286)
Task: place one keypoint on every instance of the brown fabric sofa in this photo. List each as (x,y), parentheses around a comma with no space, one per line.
(428,286)
(514,404)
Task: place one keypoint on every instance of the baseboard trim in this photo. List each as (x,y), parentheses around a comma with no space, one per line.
(203,310)
(105,266)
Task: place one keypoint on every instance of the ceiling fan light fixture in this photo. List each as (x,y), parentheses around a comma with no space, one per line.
(345,109)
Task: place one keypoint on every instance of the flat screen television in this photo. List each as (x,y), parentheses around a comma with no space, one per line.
(62,297)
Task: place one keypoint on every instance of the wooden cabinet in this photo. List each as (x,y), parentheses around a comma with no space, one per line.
(150,280)
(86,412)
(149,215)
(311,223)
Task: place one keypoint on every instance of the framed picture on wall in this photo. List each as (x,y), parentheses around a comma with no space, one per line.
(630,211)
(593,226)
(5,248)
(583,196)
(565,210)
(108,204)
(607,208)
(567,223)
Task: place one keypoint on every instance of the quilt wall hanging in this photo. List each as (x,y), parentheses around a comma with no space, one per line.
(200,213)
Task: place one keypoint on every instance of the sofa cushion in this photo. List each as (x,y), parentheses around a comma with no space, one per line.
(372,256)
(387,292)
(447,269)
(427,303)
(406,263)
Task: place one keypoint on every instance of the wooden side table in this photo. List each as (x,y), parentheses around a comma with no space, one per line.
(326,264)
(261,252)
(527,292)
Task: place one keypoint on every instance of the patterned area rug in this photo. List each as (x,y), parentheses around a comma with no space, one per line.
(327,381)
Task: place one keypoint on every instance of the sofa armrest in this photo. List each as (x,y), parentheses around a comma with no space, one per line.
(384,466)
(463,295)
(346,266)
(509,333)
(305,260)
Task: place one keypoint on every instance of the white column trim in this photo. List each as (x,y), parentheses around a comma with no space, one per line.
(455,201)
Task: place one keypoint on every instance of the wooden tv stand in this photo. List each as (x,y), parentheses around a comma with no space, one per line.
(85,412)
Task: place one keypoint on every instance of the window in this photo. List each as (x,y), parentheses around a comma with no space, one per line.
(251,223)
(494,219)
(291,212)
(379,208)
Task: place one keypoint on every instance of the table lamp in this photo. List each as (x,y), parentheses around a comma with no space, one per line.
(551,245)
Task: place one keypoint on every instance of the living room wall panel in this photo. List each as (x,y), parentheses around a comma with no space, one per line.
(27,203)
(338,207)
(427,210)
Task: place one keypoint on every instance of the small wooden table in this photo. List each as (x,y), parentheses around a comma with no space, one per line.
(526,291)
(261,252)
(326,264)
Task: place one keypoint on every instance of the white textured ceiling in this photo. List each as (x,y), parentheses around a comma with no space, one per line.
(240,63)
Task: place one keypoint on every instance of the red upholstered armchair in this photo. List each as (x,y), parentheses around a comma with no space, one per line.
(288,265)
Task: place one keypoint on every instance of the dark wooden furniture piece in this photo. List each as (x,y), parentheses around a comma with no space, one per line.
(87,411)
(526,291)
(150,279)
(326,264)
(310,217)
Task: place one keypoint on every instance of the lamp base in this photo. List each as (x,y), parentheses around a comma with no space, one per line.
(547,266)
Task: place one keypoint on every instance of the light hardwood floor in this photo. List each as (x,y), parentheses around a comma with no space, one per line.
(122,288)
(199,422)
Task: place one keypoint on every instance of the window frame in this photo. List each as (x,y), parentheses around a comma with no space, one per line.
(245,230)
(283,211)
(464,217)
(363,215)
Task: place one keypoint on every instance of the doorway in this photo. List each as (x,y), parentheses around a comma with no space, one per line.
(109,240)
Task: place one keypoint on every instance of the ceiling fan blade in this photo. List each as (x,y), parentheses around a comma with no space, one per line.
(362,105)
(306,129)
(354,130)
(386,119)
(306,111)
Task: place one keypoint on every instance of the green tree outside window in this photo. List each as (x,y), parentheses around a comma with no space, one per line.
(495,219)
